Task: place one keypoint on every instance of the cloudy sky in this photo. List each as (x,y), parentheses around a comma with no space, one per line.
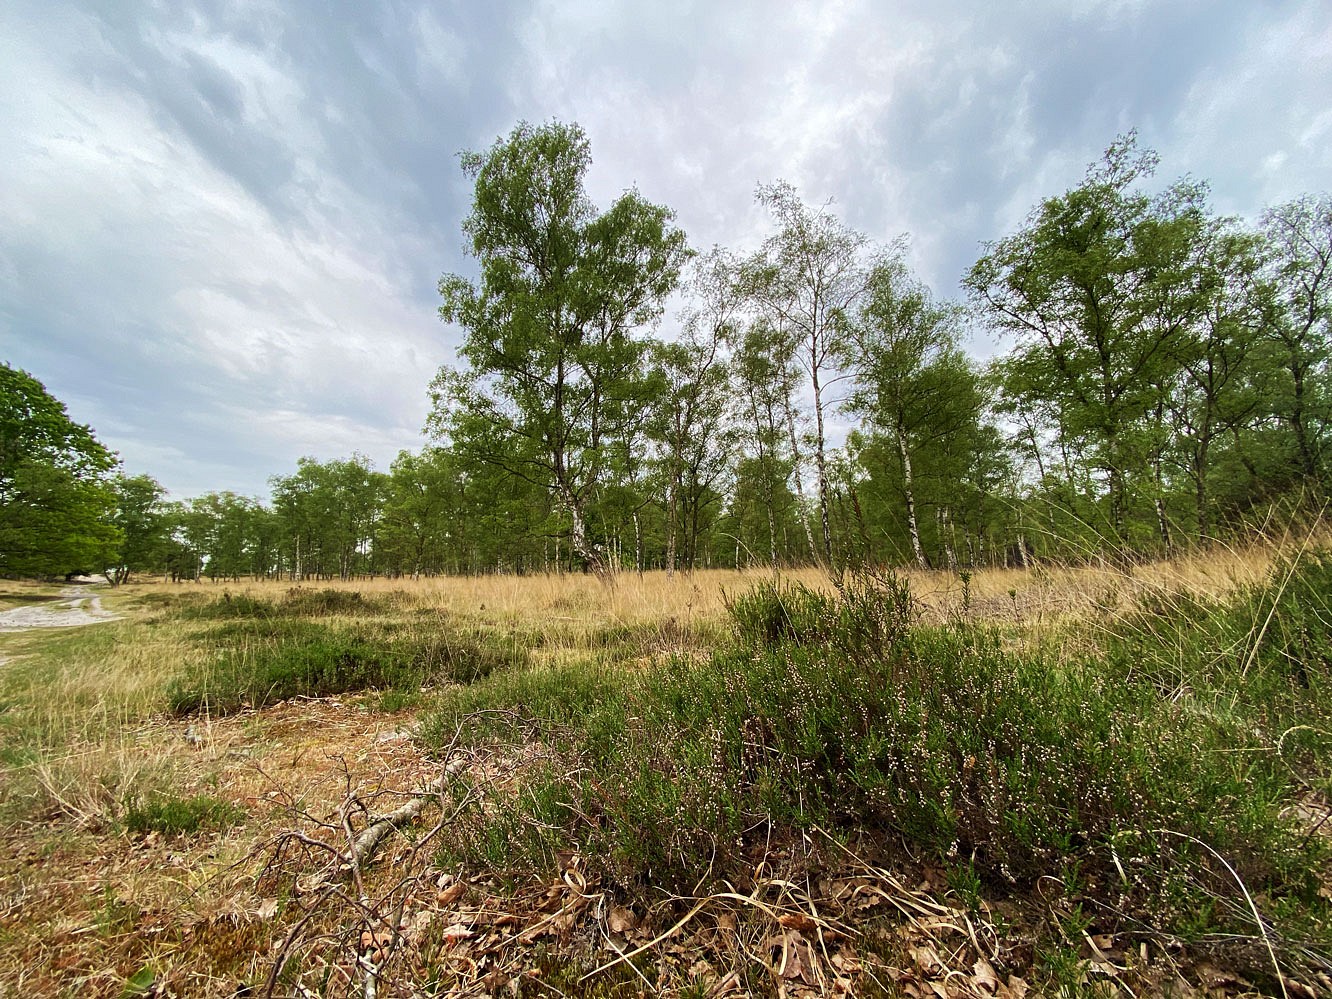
(222,223)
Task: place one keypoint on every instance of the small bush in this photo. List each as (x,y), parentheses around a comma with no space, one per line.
(175,816)
(321,603)
(298,601)
(864,619)
(313,664)
(261,662)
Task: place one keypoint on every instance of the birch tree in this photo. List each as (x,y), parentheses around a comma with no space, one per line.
(552,366)
(806,281)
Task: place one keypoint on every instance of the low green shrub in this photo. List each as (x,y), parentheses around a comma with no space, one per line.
(298,601)
(260,662)
(833,710)
(320,603)
(175,816)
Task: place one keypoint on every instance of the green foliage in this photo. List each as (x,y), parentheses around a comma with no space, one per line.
(325,520)
(56,494)
(1097,290)
(506,701)
(555,373)
(1300,338)
(834,710)
(297,602)
(171,815)
(268,652)
(144,524)
(140,983)
(1269,648)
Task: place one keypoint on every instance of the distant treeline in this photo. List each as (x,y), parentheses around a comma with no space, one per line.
(1165,382)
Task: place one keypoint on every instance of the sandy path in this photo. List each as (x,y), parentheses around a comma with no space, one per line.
(75,610)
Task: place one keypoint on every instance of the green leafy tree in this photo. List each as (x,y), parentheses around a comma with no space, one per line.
(912,381)
(690,419)
(1098,289)
(141,517)
(553,369)
(1299,234)
(807,280)
(423,493)
(328,513)
(1215,394)
(57,493)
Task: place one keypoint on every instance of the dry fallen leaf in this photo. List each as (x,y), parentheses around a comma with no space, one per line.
(983,976)
(622,920)
(927,959)
(846,962)
(797,921)
(730,983)
(451,934)
(451,893)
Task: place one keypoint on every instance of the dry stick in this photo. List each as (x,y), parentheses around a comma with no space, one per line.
(372,835)
(361,847)
(928,908)
(290,938)
(363,961)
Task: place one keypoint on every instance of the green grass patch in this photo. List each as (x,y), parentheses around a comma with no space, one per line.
(298,601)
(259,659)
(176,816)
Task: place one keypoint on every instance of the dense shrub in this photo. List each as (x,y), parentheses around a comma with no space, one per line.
(258,661)
(832,710)
(297,602)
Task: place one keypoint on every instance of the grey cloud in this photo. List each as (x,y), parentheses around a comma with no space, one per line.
(222,230)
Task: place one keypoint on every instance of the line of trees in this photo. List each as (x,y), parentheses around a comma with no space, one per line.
(1166,381)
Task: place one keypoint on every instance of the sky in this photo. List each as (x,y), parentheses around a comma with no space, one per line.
(222,224)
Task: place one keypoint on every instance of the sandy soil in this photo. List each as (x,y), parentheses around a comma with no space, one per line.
(77,609)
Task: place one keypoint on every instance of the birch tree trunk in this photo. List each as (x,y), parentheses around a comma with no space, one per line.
(908,490)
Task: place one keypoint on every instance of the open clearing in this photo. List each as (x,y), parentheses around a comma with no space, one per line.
(163,839)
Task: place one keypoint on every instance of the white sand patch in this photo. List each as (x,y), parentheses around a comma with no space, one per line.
(76,610)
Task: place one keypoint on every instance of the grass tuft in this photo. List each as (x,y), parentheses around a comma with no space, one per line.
(171,815)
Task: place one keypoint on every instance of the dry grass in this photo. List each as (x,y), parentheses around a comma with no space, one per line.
(571,604)
(83,905)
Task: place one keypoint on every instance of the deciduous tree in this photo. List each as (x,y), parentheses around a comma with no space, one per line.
(553,363)
(56,485)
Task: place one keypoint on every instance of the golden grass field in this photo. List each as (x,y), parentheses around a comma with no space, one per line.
(85,905)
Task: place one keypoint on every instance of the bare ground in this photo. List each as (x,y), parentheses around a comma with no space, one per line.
(77,608)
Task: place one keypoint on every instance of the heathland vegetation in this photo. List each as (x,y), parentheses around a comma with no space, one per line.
(641,679)
(1062,780)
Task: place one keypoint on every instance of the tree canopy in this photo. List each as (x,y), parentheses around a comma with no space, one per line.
(553,370)
(1165,379)
(56,491)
